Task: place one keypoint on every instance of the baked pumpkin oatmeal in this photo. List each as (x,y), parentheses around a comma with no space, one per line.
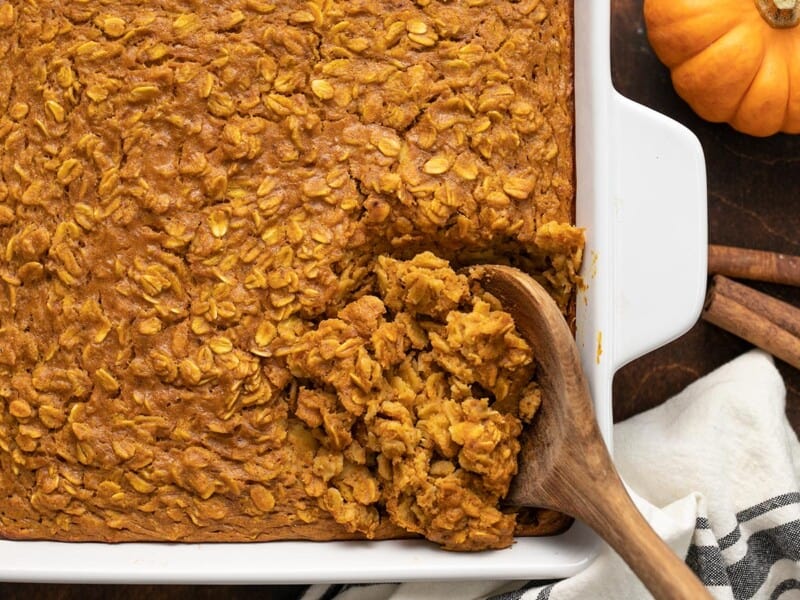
(220,314)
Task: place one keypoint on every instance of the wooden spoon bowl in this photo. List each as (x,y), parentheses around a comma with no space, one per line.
(564,463)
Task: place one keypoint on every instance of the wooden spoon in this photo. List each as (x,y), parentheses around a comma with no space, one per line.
(564,463)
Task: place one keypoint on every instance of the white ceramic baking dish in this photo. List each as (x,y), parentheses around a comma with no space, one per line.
(642,198)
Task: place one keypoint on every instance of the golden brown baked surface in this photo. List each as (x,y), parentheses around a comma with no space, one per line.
(194,197)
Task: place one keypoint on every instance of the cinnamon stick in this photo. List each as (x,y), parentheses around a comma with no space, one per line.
(759,265)
(762,320)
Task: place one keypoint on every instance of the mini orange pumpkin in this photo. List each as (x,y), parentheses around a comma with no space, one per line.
(733,61)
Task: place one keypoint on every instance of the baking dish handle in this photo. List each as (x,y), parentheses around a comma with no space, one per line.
(659,206)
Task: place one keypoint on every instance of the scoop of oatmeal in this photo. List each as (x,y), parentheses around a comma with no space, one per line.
(418,394)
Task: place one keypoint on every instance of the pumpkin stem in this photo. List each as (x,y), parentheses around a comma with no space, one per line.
(780,14)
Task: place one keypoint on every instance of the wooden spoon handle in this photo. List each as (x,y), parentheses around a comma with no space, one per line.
(617,520)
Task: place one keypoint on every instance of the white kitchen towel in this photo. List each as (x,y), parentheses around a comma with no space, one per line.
(715,470)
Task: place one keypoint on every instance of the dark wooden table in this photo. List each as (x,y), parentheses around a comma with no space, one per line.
(753,201)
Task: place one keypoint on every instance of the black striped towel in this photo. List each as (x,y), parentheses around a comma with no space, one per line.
(715,470)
